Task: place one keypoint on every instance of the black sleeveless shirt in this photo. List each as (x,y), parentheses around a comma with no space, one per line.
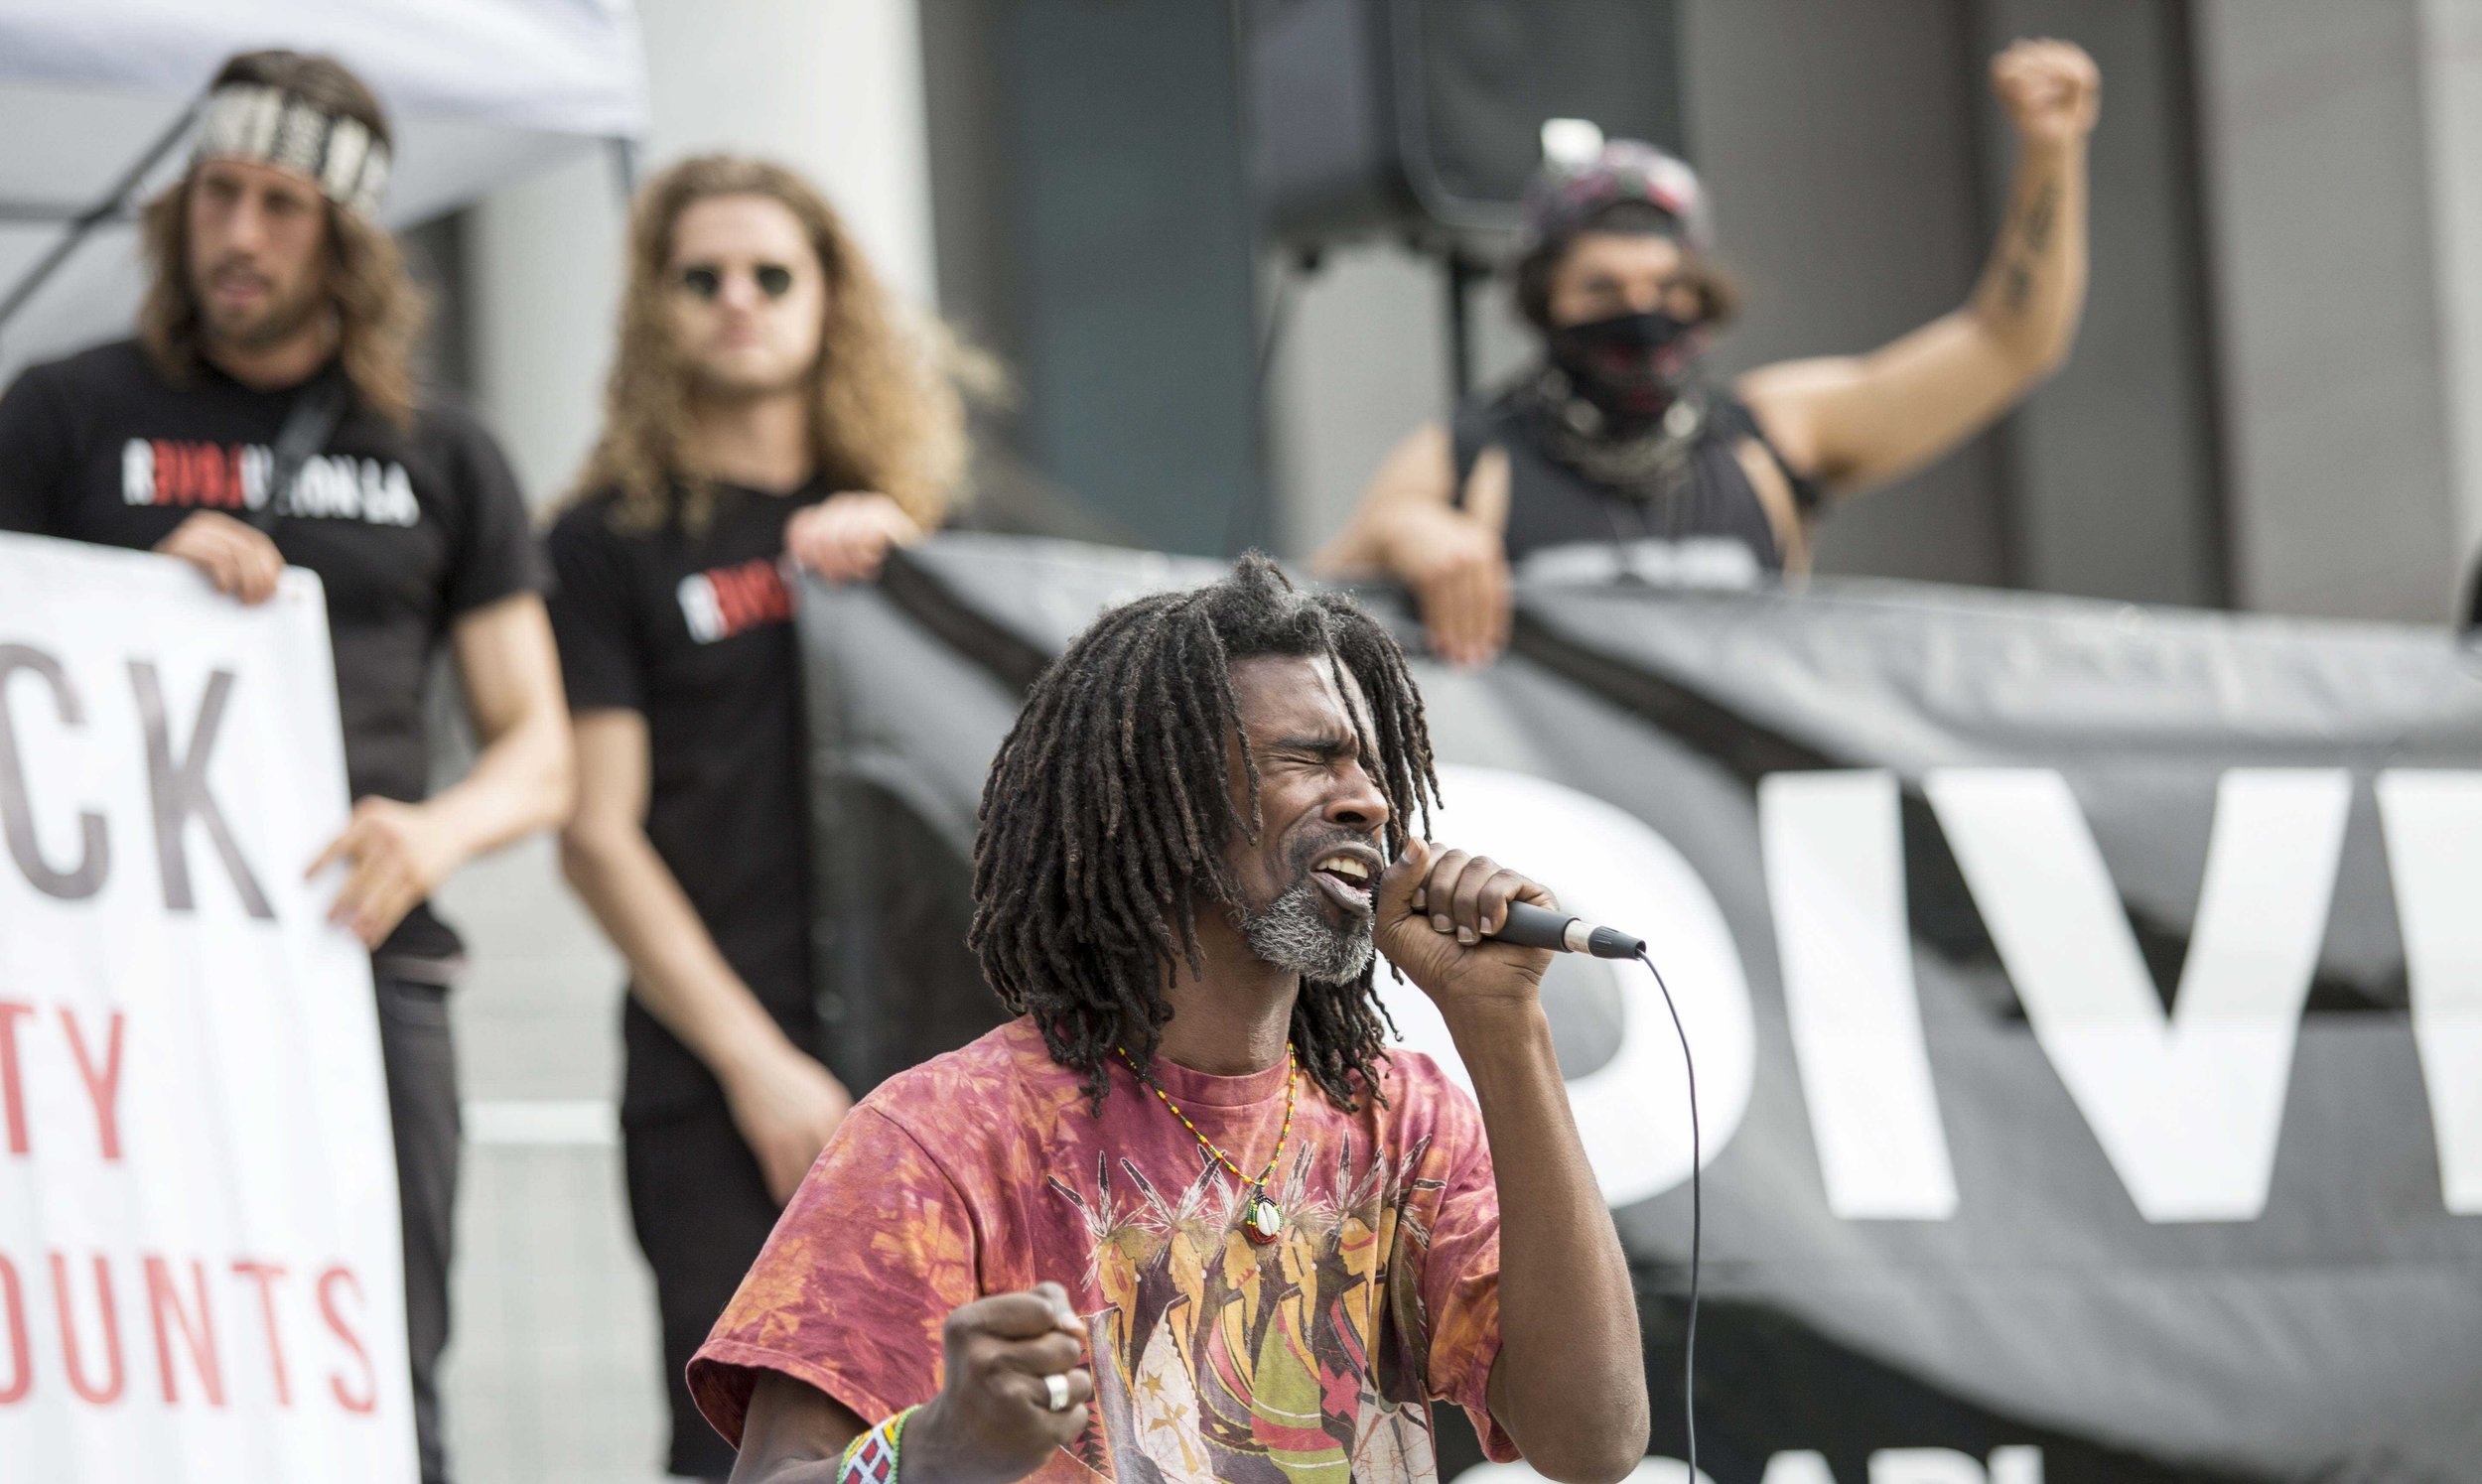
(1705,502)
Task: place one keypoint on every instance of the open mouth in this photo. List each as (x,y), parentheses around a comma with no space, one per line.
(1347,878)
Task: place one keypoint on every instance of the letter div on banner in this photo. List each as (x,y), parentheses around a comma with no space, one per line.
(200,1273)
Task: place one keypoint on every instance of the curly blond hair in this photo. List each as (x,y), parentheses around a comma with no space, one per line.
(886,410)
(379,311)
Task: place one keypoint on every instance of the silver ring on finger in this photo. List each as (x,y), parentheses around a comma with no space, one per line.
(1055,1393)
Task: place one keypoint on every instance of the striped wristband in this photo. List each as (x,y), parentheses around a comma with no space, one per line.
(871,1457)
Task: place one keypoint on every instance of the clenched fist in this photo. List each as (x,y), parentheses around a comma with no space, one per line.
(2051,90)
(1436,907)
(992,1421)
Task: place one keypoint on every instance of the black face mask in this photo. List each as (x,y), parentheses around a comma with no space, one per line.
(1631,367)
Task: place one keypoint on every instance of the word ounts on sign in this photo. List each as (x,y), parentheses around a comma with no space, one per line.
(96,1298)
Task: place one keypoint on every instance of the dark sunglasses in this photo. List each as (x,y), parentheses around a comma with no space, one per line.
(706,280)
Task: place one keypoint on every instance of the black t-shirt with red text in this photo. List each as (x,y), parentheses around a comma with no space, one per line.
(694,633)
(408,530)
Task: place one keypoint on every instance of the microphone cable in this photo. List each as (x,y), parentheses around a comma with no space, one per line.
(1697,1221)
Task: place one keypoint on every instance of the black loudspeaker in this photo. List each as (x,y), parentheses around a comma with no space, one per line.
(1423,117)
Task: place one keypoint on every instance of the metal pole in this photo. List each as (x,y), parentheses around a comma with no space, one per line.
(625,168)
(104,210)
(1461,272)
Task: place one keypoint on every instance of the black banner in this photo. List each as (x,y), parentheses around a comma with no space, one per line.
(2087,1001)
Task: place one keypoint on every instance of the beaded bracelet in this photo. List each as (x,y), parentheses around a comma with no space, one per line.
(871,1457)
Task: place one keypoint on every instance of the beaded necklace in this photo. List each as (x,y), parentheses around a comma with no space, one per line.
(1261,1219)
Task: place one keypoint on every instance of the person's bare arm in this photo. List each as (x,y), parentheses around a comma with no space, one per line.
(1569,1381)
(785,1103)
(793,1433)
(1409,529)
(1854,422)
(1416,479)
(398,853)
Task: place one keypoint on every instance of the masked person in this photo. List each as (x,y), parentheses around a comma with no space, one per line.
(278,302)
(768,407)
(1187,1217)
(1614,454)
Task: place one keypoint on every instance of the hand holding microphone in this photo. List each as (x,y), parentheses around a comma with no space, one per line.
(1469,931)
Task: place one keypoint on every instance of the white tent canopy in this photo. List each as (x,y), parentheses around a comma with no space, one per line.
(480,92)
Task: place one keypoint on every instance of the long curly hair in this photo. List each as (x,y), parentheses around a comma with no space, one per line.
(885,411)
(1106,816)
(379,310)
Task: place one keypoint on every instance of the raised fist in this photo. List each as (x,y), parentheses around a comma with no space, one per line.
(1009,1357)
(2051,90)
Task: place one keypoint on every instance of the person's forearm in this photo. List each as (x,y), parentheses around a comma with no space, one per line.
(2035,286)
(682,978)
(520,783)
(750,1468)
(1369,546)
(1389,529)
(1572,1368)
(1397,533)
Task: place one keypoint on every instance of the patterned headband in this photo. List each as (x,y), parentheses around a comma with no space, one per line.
(268,125)
(1565,194)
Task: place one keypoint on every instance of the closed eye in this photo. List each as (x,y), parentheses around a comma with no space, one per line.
(1313,751)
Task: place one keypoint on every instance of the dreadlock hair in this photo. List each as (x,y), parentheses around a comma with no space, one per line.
(1105,819)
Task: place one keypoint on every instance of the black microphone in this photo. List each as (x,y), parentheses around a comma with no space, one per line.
(1530,927)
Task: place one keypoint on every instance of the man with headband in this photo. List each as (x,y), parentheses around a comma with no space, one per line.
(266,415)
(1614,455)
(1189,1218)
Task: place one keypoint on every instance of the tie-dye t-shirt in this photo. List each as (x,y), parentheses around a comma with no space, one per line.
(1312,1358)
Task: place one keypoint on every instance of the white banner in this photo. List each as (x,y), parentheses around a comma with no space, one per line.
(199,1275)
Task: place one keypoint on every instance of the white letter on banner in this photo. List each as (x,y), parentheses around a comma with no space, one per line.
(1834,867)
(1608,866)
(1804,1466)
(2187,1111)
(1655,1469)
(2017,1463)
(2432,824)
(1925,1466)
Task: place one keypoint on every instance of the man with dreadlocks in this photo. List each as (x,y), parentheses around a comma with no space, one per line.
(1188,1218)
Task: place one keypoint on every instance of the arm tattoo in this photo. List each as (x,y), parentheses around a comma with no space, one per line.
(2034,224)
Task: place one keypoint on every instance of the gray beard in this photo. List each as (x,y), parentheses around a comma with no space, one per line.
(1292,932)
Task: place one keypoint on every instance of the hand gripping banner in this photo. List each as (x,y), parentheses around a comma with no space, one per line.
(2087,999)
